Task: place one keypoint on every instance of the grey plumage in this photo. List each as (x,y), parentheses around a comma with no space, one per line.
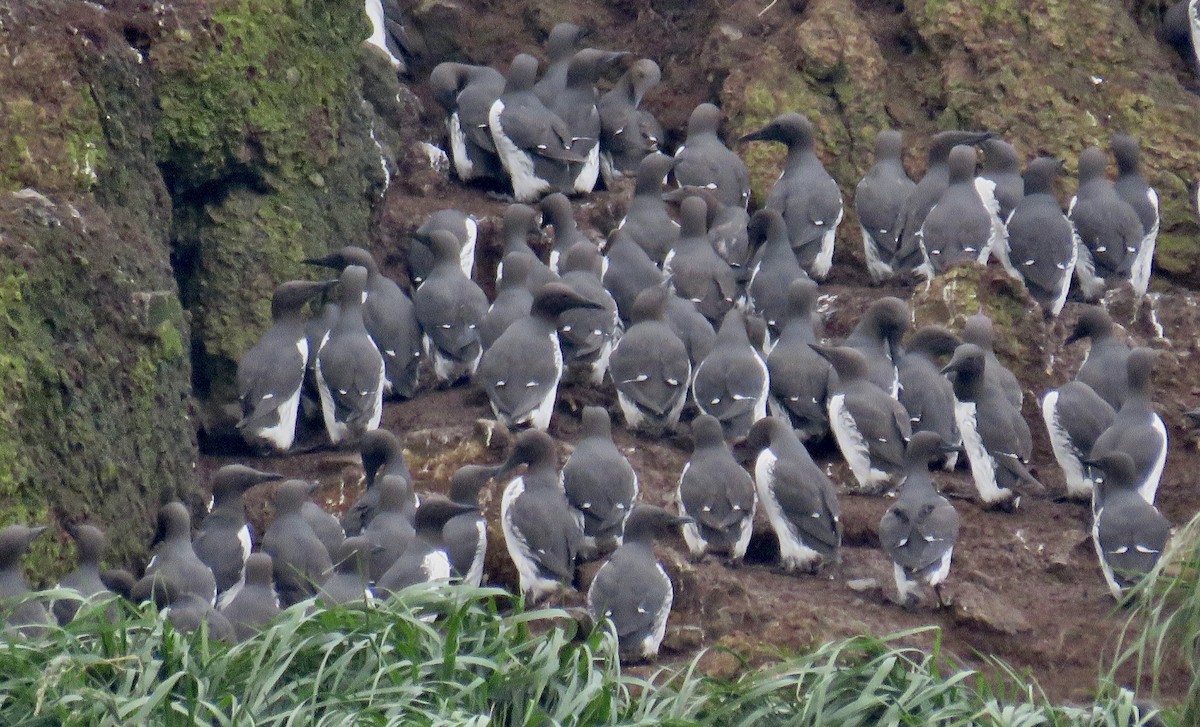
(391,531)
(696,332)
(465,229)
(775,270)
(561,46)
(90,544)
(693,268)
(299,560)
(513,298)
(1105,366)
(256,604)
(926,395)
(576,105)
(1137,430)
(587,334)
(647,221)
(467,93)
(382,454)
(557,208)
(1041,249)
(29,618)
(961,226)
(1108,230)
(1130,534)
(717,494)
(350,582)
(174,559)
(878,200)
(187,612)
(629,272)
(731,383)
(425,560)
(465,534)
(1002,166)
(449,307)
(978,330)
(325,526)
(650,367)
(1132,187)
(877,337)
(628,133)
(1075,417)
(705,161)
(800,378)
(350,371)
(599,481)
(519,222)
(223,542)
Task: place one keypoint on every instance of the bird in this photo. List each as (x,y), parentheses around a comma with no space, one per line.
(299,560)
(1129,533)
(1109,231)
(425,560)
(978,329)
(389,317)
(599,482)
(270,375)
(561,46)
(877,337)
(566,230)
(449,307)
(391,531)
(460,224)
(256,604)
(632,590)
(1075,417)
(350,581)
(513,299)
(586,335)
(174,559)
(919,531)
(1041,250)
(925,393)
(727,227)
(350,371)
(466,93)
(805,194)
(576,105)
(1132,188)
(650,367)
(800,379)
(995,436)
(1002,167)
(798,497)
(465,534)
(647,220)
(774,272)
(90,544)
(696,332)
(1137,430)
(705,161)
(628,133)
(964,224)
(693,268)
(628,272)
(188,612)
(1105,366)
(871,428)
(716,494)
(29,618)
(519,222)
(732,381)
(325,526)
(1181,30)
(223,542)
(521,371)
(878,200)
(926,194)
(541,532)
(533,143)
(382,454)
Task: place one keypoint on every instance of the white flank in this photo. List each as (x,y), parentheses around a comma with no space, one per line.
(652,641)
(824,260)
(1079,485)
(585,181)
(1149,488)
(466,256)
(1065,278)
(986,189)
(283,434)
(983,467)
(854,448)
(793,553)
(377,39)
(527,186)
(1139,274)
(463,166)
(533,585)
(474,576)
(879,270)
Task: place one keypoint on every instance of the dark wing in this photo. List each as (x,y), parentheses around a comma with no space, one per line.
(550,530)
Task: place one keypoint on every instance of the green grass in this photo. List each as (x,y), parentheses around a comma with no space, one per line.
(452,657)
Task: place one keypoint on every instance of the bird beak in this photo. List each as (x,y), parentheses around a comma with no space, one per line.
(329,261)
(262,477)
(948,448)
(1075,336)
(822,351)
(680,520)
(767,133)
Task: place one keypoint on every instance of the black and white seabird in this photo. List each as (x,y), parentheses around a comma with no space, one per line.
(1108,229)
(1129,533)
(561,46)
(426,560)
(632,590)
(1075,417)
(599,481)
(299,559)
(389,317)
(995,436)
(964,224)
(449,307)
(650,367)
(732,381)
(628,272)
(727,228)
(513,298)
(30,618)
(90,544)
(382,454)
(1137,430)
(576,105)
(628,133)
(223,542)
(188,612)
(1041,250)
(519,222)
(1003,168)
(534,144)
(919,530)
(557,208)
(465,534)
(870,426)
(350,371)
(806,196)
(705,161)
(387,33)
(799,498)
(541,532)
(391,531)
(774,271)
(174,559)
(467,93)
(1105,366)
(800,377)
(349,582)
(587,334)
(717,494)
(1132,188)
(696,332)
(460,224)
(521,371)
(924,392)
(271,374)
(1181,30)
(978,330)
(647,221)
(693,268)
(879,200)
(256,603)
(877,337)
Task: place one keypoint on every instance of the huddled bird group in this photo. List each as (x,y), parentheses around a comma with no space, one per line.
(705,319)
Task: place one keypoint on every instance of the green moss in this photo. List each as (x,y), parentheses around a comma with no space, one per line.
(54,146)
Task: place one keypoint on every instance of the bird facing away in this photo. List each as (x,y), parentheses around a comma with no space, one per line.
(299,558)
(30,618)
(223,542)
(879,199)
(717,494)
(800,377)
(731,383)
(705,161)
(174,558)
(650,367)
(1129,533)
(256,604)
(90,544)
(599,481)
(1041,250)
